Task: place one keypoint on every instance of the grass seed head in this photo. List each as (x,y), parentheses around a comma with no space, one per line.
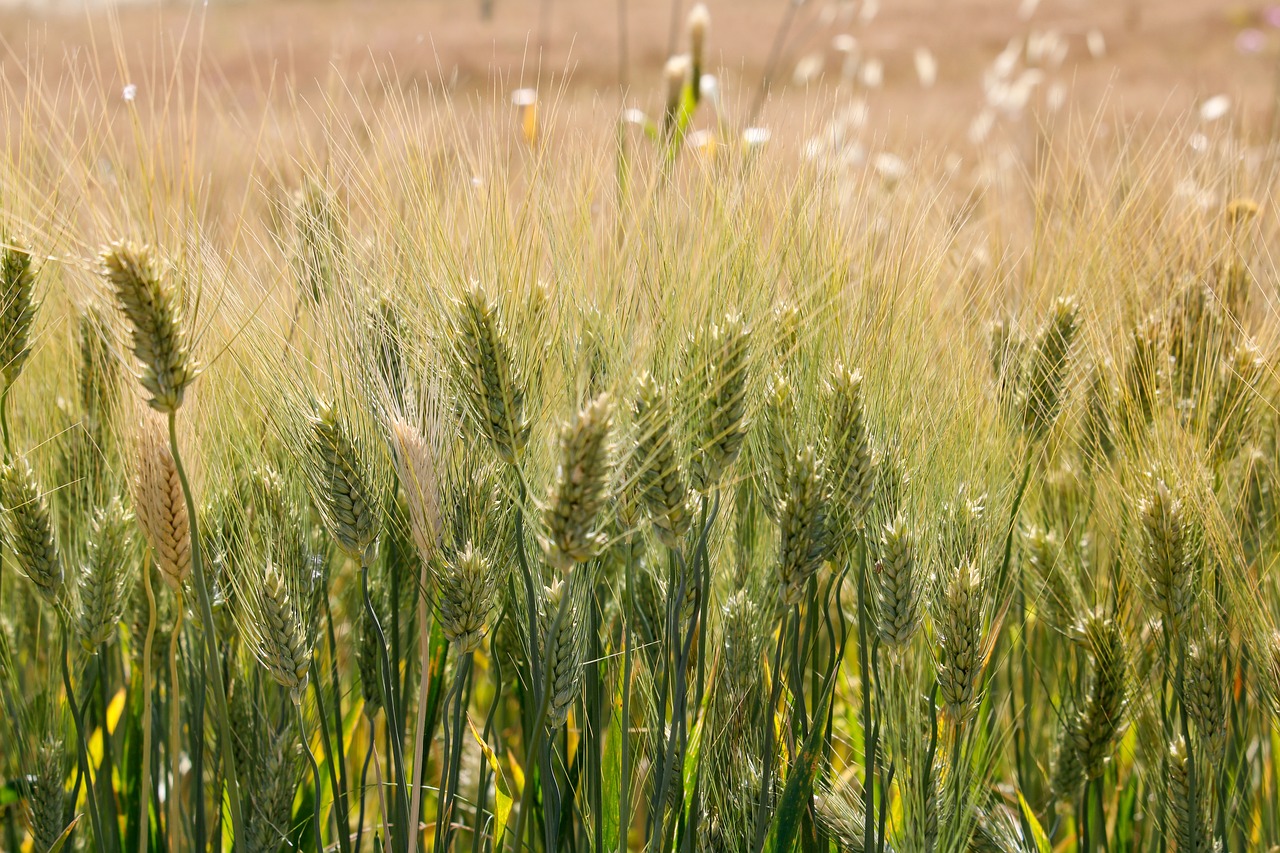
(488,376)
(29,529)
(1046,374)
(340,483)
(18,310)
(571,518)
(1097,726)
(277,632)
(897,586)
(1189,829)
(417,463)
(159,503)
(46,797)
(1166,556)
(154,312)
(802,525)
(959,626)
(466,594)
(849,450)
(1206,695)
(106,581)
(718,412)
(563,648)
(98,376)
(659,475)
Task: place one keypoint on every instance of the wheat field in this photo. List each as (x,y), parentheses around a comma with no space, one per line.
(390,466)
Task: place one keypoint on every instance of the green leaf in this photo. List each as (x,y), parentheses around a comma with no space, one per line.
(798,795)
(1037,831)
(502,796)
(57,846)
(611,767)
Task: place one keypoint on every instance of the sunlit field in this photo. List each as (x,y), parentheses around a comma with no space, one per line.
(831,427)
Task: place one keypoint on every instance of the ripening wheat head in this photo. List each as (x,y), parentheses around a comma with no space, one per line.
(489,380)
(106,578)
(341,483)
(718,367)
(29,528)
(159,503)
(17,310)
(1166,556)
(154,312)
(571,517)
(658,474)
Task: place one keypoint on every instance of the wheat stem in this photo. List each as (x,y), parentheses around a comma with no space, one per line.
(173,797)
(81,743)
(315,769)
(144,825)
(212,661)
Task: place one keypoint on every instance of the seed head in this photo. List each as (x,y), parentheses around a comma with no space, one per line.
(849,450)
(802,526)
(719,409)
(341,487)
(699,22)
(105,582)
(779,443)
(959,625)
(563,649)
(1206,695)
(659,476)
(466,593)
(676,74)
(18,310)
(98,373)
(160,505)
(1166,555)
(897,589)
(1045,379)
(276,628)
(1230,421)
(154,313)
(1143,373)
(1096,727)
(418,469)
(488,377)
(1190,831)
(1099,427)
(29,528)
(572,515)
(46,799)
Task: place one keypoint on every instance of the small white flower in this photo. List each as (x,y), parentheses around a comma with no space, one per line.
(524,97)
(130,92)
(754,137)
(926,67)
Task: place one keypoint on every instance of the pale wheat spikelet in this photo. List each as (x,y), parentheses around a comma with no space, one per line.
(1045,557)
(777,425)
(563,649)
(787,318)
(340,483)
(106,580)
(1196,332)
(388,338)
(1166,555)
(1045,379)
(839,812)
(1006,347)
(318,241)
(466,594)
(1097,726)
(659,476)
(1190,831)
(743,644)
(98,376)
(488,375)
(1143,372)
(154,312)
(1231,416)
(29,529)
(571,517)
(1098,423)
(1066,772)
(849,450)
(17,310)
(46,797)
(159,503)
(417,461)
(369,649)
(802,526)
(1205,687)
(959,628)
(276,629)
(718,412)
(961,536)
(897,585)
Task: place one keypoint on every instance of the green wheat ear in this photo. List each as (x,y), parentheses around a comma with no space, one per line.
(959,627)
(1166,557)
(571,517)
(466,596)
(159,341)
(489,378)
(29,529)
(17,311)
(340,483)
(664,491)
(106,580)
